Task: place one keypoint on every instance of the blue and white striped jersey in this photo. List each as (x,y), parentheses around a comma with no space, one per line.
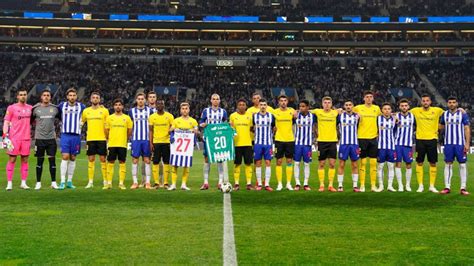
(213,116)
(348,124)
(405,130)
(71,117)
(454,127)
(304,128)
(386,127)
(139,116)
(263,127)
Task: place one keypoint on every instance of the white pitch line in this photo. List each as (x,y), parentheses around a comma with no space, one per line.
(228,246)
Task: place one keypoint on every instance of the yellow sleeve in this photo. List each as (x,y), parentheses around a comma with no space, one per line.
(378,110)
(129,122)
(355,109)
(150,119)
(106,113)
(315,111)
(84,116)
(171,118)
(107,123)
(439,111)
(174,124)
(415,111)
(195,123)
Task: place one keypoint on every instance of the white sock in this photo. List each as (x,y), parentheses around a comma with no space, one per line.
(9,183)
(220,171)
(64,165)
(70,170)
(448,173)
(23,182)
(306,173)
(391,173)
(143,171)
(340,179)
(296,173)
(258,173)
(398,174)
(380,173)
(134,172)
(408,172)
(147,172)
(463,174)
(268,174)
(205,171)
(355,180)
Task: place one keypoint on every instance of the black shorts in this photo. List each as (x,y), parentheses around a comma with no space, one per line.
(284,149)
(428,148)
(327,150)
(245,152)
(161,151)
(117,153)
(45,145)
(368,148)
(98,147)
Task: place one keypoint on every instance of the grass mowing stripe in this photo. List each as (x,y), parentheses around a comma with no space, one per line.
(229,253)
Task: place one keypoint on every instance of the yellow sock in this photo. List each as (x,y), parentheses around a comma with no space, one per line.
(248,174)
(185,175)
(433,172)
(279,173)
(419,174)
(90,171)
(362,167)
(373,171)
(110,172)
(122,172)
(166,173)
(321,173)
(155,169)
(103,169)
(289,172)
(174,175)
(237,174)
(331,173)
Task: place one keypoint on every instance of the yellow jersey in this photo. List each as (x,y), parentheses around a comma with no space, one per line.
(368,121)
(185,124)
(284,120)
(427,122)
(253,110)
(242,125)
(118,126)
(161,126)
(327,124)
(95,119)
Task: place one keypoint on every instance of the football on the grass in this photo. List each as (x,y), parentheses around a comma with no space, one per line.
(226,187)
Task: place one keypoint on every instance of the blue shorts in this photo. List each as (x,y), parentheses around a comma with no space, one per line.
(347,151)
(304,152)
(141,148)
(70,144)
(454,151)
(385,155)
(404,153)
(262,151)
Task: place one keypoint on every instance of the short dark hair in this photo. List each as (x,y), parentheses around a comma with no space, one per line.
(256,93)
(403,100)
(368,92)
(452,98)
(140,94)
(150,92)
(386,103)
(424,95)
(282,96)
(241,100)
(71,89)
(306,102)
(118,100)
(95,93)
(46,90)
(21,89)
(348,100)
(262,100)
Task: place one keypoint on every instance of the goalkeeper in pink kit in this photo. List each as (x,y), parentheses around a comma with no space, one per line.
(16,129)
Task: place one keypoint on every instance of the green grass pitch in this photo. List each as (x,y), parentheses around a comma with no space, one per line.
(150,227)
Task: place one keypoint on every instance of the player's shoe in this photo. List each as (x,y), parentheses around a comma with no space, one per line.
(62,186)
(400,189)
(258,188)
(464,192)
(54,185)
(142,183)
(420,189)
(408,188)
(373,189)
(106,186)
(340,189)
(268,188)
(24,186)
(156,186)
(445,191)
(236,187)
(204,186)
(70,185)
(332,189)
(9,186)
(172,187)
(165,186)
(362,189)
(307,188)
(184,187)
(89,185)
(134,186)
(380,188)
(279,187)
(289,187)
(219,185)
(122,187)
(38,186)
(148,186)
(249,187)
(433,189)
(321,189)
(356,189)
(297,187)
(391,189)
